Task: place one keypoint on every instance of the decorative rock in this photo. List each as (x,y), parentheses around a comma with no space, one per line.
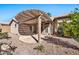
(5,47)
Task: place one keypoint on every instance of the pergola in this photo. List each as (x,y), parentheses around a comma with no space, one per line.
(33,16)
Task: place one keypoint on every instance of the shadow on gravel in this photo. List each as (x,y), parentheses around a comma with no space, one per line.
(60,42)
(34,38)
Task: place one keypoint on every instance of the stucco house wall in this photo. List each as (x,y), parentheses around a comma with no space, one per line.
(14,28)
(5,28)
(26,29)
(57,22)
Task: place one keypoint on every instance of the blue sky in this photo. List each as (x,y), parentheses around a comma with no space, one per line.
(8,11)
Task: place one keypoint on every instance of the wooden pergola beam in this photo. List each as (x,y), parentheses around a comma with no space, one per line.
(31,18)
(28,13)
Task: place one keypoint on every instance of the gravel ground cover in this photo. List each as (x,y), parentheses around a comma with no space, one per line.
(52,46)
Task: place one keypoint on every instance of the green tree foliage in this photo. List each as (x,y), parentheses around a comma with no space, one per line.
(49,14)
(71,29)
(65,29)
(75,23)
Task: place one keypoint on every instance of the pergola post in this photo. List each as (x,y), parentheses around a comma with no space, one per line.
(39,29)
(49,29)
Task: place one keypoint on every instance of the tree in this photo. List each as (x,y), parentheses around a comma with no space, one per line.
(75,23)
(71,29)
(65,29)
(49,14)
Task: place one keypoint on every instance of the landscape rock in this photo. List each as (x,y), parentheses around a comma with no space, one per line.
(5,47)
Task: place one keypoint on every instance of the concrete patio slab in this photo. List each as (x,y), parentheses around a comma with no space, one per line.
(30,38)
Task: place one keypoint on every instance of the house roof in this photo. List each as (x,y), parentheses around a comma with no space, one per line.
(62,16)
(13,20)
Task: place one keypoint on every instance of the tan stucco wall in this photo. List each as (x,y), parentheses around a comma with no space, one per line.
(24,29)
(27,29)
(5,28)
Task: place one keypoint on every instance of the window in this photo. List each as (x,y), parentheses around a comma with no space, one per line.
(0,30)
(15,25)
(30,28)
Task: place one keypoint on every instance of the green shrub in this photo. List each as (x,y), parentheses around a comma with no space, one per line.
(39,48)
(64,29)
(71,29)
(60,31)
(3,35)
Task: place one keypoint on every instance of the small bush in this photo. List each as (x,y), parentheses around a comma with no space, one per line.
(8,51)
(12,48)
(3,35)
(39,48)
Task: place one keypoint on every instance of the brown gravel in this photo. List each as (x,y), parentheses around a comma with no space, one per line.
(52,47)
